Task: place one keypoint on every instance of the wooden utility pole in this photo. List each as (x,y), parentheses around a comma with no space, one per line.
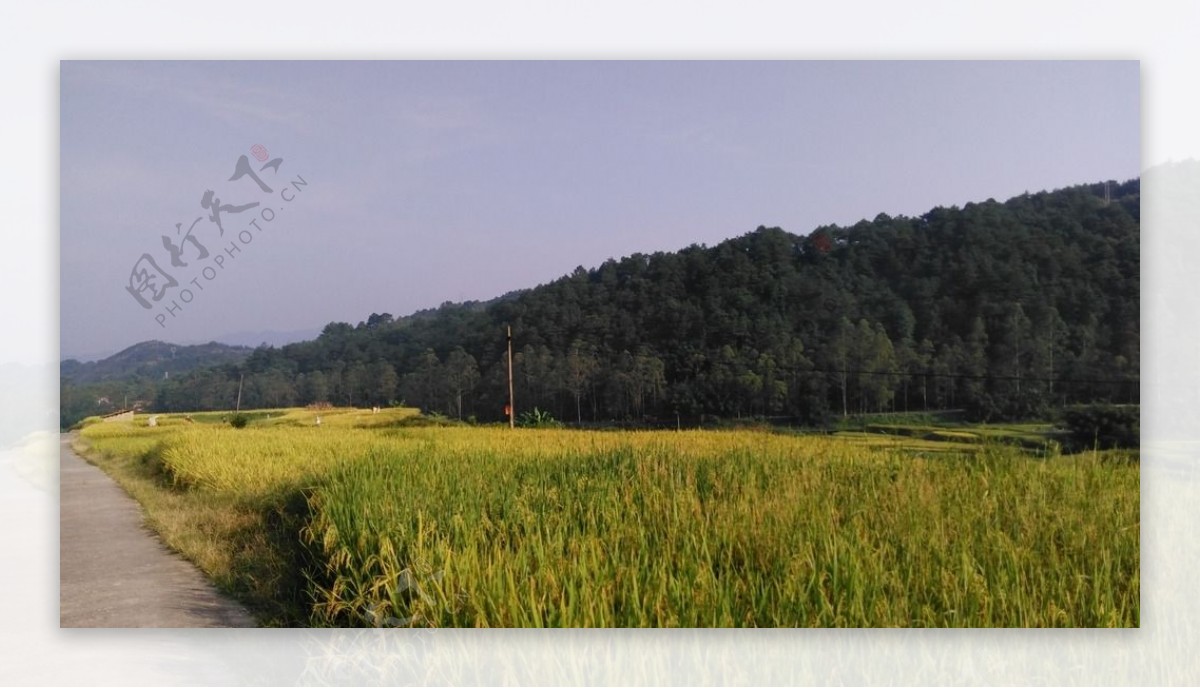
(238,408)
(512,408)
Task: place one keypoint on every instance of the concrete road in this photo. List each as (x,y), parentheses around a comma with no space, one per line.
(116,573)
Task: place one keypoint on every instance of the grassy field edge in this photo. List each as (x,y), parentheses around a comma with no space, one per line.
(249,551)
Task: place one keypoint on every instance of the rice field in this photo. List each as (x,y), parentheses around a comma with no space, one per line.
(404,525)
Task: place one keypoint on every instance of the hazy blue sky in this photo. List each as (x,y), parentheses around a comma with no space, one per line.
(436,181)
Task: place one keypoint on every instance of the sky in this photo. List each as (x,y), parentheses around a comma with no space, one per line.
(399,185)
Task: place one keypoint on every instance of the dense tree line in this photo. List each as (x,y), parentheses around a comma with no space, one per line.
(1003,309)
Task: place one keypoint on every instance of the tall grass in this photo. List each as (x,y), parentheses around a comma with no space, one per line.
(458,526)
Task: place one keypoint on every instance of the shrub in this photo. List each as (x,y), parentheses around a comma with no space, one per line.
(537,418)
(239,420)
(1102,426)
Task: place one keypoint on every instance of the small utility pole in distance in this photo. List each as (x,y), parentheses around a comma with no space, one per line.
(512,409)
(238,408)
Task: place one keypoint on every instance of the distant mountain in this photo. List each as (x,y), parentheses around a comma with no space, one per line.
(250,338)
(85,357)
(152,359)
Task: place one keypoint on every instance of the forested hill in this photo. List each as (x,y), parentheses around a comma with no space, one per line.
(153,359)
(1004,309)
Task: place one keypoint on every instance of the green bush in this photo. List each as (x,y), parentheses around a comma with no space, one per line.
(1102,426)
(239,420)
(537,419)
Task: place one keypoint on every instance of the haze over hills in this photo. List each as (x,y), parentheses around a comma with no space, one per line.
(1004,309)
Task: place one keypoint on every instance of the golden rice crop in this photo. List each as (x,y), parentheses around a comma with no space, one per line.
(463,526)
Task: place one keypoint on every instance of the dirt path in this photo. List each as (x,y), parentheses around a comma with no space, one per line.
(115,573)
